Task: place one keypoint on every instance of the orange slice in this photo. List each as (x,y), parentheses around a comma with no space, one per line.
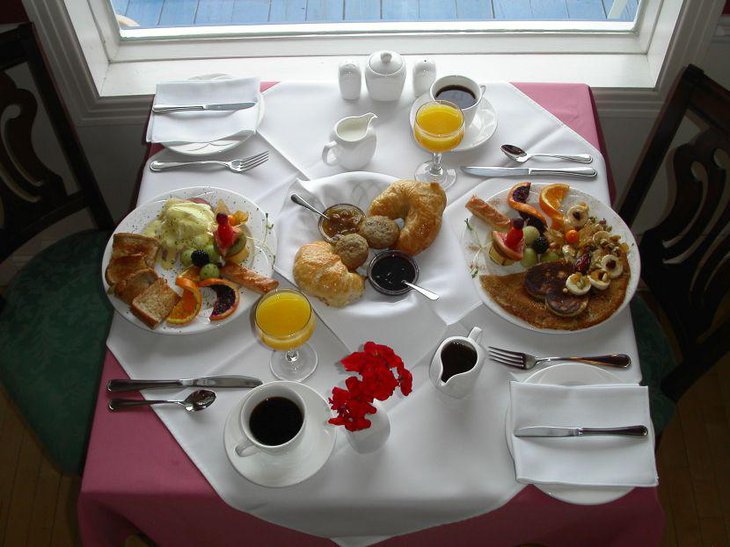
(227,297)
(191,272)
(551,198)
(188,307)
(521,206)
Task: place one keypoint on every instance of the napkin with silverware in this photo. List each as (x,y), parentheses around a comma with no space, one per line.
(589,460)
(207,126)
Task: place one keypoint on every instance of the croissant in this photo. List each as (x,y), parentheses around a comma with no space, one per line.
(420,205)
(318,271)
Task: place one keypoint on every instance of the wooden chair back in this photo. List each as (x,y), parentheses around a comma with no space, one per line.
(32,196)
(686,257)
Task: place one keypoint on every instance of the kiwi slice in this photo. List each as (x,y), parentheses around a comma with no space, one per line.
(237,246)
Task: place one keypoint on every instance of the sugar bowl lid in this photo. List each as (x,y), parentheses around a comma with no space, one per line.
(386,62)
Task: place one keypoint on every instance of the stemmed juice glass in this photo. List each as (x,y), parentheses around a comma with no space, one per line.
(285,321)
(438,127)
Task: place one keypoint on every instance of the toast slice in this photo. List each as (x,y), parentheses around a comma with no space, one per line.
(121,267)
(128,288)
(155,303)
(132,244)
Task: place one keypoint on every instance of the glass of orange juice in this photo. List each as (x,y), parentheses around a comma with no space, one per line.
(438,127)
(285,321)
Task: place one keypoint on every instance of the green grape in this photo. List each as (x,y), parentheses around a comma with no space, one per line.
(549,256)
(529,257)
(186,257)
(213,253)
(530,233)
(209,270)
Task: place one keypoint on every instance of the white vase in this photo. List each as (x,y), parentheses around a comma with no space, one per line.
(372,438)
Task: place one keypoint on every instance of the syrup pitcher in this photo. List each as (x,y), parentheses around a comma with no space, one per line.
(457,363)
(353,144)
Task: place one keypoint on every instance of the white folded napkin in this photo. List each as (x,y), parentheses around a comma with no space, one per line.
(592,461)
(410,323)
(208,126)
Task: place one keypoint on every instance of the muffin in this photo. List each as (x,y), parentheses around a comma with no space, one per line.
(379,231)
(352,250)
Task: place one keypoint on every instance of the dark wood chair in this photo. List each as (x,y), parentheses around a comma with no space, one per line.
(55,316)
(686,257)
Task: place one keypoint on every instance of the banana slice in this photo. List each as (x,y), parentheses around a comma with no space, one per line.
(577,215)
(599,279)
(612,265)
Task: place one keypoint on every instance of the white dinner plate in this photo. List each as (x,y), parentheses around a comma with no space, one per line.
(219,146)
(477,132)
(475,242)
(573,374)
(261,259)
(302,462)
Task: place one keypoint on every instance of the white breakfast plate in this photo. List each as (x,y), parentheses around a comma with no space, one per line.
(573,374)
(261,259)
(219,146)
(477,132)
(479,263)
(302,462)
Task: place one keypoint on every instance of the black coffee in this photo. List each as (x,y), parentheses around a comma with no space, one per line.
(275,421)
(457,358)
(459,95)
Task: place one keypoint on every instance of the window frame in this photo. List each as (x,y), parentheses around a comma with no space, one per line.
(111,80)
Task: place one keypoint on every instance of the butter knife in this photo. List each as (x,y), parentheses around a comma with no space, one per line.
(631,431)
(210,381)
(162,108)
(586,172)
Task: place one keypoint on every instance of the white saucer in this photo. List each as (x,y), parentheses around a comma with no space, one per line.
(220,146)
(477,132)
(574,374)
(302,462)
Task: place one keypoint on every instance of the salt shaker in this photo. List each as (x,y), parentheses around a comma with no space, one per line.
(350,78)
(424,74)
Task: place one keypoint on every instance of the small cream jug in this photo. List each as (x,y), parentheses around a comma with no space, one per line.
(353,142)
(457,363)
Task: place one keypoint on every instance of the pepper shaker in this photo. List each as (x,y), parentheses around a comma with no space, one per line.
(350,79)
(424,74)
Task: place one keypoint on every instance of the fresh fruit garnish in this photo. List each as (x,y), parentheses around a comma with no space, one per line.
(530,233)
(499,246)
(514,236)
(577,215)
(551,198)
(612,265)
(227,297)
(540,245)
(578,284)
(200,258)
(517,199)
(209,270)
(572,236)
(188,307)
(192,273)
(599,279)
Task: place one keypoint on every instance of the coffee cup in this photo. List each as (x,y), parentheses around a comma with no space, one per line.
(272,419)
(460,90)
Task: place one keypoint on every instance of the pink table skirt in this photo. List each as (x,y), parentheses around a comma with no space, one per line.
(138,478)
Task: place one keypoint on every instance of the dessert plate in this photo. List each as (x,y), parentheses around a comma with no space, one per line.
(573,374)
(477,133)
(260,230)
(219,146)
(476,237)
(276,471)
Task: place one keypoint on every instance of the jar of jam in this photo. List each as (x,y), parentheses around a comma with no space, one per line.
(344,219)
(388,269)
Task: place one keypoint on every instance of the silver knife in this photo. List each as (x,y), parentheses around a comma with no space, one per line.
(587,172)
(631,431)
(210,381)
(162,108)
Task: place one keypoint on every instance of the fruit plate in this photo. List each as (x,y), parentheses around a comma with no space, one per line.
(262,258)
(476,237)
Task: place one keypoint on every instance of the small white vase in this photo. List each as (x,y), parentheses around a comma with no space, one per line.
(372,438)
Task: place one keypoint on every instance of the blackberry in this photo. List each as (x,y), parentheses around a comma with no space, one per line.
(540,245)
(200,258)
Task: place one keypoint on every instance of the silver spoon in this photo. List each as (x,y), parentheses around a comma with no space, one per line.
(299,200)
(197,400)
(520,156)
(425,292)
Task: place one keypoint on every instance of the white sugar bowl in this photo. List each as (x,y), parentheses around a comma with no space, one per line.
(385,75)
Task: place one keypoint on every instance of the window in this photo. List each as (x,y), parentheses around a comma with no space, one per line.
(111,75)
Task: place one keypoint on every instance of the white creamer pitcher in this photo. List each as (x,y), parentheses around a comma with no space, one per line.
(353,142)
(457,363)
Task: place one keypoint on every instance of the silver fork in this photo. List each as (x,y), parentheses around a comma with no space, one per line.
(238,166)
(527,361)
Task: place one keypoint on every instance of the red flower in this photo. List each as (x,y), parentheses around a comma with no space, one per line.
(377,381)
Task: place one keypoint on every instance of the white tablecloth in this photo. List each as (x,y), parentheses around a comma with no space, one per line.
(445,460)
